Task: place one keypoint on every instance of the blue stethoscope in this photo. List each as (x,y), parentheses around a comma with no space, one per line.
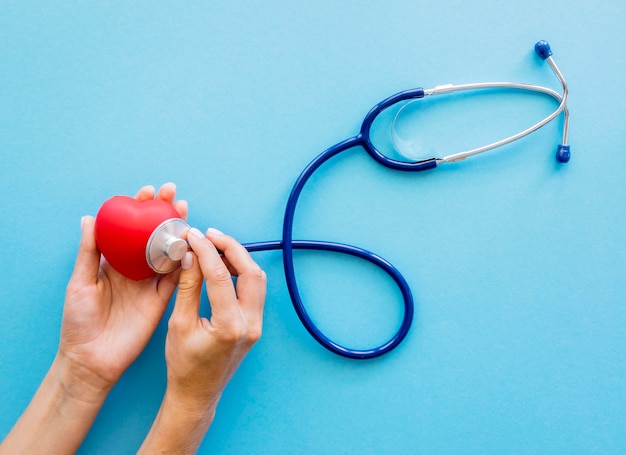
(363,139)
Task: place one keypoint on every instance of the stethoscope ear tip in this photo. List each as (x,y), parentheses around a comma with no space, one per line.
(542,48)
(563,154)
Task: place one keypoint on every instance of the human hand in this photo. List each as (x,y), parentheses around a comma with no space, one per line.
(201,354)
(108,319)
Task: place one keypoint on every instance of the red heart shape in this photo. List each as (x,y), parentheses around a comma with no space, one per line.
(123,227)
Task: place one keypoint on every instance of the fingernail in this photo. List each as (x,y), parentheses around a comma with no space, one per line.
(187,262)
(196,233)
(82,222)
(214,231)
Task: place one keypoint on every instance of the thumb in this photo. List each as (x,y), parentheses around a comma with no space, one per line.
(187,304)
(88,259)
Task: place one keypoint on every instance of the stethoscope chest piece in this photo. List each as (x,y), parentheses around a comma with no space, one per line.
(166,247)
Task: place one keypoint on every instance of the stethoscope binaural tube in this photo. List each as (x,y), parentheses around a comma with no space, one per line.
(363,139)
(542,48)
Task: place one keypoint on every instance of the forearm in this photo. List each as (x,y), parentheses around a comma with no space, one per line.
(179,427)
(60,414)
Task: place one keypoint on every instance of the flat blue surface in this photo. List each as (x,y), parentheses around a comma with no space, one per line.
(517,264)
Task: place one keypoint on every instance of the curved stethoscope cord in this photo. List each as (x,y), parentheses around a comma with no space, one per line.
(288,244)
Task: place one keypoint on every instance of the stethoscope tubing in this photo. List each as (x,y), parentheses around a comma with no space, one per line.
(303,315)
(288,244)
(363,139)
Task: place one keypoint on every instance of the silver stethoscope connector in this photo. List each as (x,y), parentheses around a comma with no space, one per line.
(542,48)
(166,246)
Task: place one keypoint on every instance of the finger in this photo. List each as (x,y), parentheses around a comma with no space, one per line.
(187,304)
(145,193)
(166,284)
(88,259)
(167,192)
(251,281)
(182,208)
(219,284)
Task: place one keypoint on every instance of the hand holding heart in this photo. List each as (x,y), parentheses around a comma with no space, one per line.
(107,321)
(108,318)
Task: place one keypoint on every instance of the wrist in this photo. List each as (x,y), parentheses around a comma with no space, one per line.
(60,414)
(179,426)
(77,382)
(195,408)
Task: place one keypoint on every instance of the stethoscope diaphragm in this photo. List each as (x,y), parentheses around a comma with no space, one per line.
(166,246)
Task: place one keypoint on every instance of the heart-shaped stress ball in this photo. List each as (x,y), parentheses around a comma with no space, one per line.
(124,226)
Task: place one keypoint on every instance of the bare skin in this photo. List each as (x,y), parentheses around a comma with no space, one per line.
(107,322)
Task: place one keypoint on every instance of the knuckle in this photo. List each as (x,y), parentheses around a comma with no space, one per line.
(221,275)
(242,334)
(190,280)
(71,289)
(175,324)
(254,334)
(188,283)
(258,274)
(234,334)
(74,290)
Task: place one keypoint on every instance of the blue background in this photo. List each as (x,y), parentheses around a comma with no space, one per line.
(517,264)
